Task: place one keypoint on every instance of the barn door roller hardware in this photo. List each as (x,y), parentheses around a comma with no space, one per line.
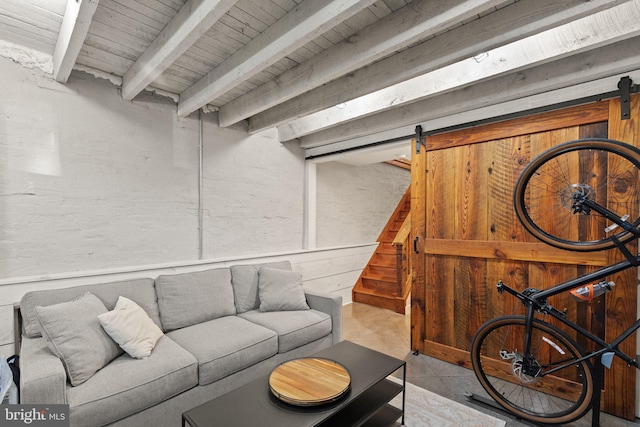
(626,89)
(420,139)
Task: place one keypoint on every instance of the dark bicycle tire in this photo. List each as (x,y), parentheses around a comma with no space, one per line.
(602,169)
(522,394)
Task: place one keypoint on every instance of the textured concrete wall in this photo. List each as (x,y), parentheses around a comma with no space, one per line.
(253,198)
(355,202)
(89,181)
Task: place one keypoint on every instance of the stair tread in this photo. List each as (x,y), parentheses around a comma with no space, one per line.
(390,278)
(389,262)
(377,293)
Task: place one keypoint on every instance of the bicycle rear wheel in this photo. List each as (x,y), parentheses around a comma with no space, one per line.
(548,194)
(523,385)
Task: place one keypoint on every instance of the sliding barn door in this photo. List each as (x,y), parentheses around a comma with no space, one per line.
(468,238)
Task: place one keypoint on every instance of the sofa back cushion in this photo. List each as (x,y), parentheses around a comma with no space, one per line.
(142,291)
(189,298)
(245,283)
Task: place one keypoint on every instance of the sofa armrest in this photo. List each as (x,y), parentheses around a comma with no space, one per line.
(330,304)
(42,375)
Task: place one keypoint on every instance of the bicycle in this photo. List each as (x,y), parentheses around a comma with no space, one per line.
(581,196)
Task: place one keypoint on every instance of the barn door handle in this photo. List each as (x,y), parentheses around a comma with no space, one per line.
(415,244)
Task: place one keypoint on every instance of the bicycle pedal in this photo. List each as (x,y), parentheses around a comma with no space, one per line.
(607,359)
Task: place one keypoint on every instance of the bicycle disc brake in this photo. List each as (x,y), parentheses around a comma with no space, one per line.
(526,373)
(574,196)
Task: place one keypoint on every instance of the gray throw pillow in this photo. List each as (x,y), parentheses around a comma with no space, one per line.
(245,283)
(74,334)
(189,298)
(280,290)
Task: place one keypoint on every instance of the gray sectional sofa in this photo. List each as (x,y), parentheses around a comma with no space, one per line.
(221,328)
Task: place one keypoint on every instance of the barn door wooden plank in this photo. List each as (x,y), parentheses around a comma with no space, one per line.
(471,165)
(621,303)
(440,270)
(418,231)
(509,157)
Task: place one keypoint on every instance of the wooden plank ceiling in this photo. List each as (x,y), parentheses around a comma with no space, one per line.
(334,74)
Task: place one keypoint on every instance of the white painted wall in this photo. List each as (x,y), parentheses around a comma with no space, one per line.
(354,203)
(89,181)
(253,193)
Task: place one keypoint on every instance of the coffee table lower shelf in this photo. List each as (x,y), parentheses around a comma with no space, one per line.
(371,409)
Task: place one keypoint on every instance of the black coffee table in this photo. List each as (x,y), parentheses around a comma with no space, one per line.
(365,404)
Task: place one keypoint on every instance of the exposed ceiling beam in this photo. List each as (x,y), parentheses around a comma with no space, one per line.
(73,31)
(606,27)
(408,25)
(525,105)
(511,23)
(192,20)
(305,22)
(519,91)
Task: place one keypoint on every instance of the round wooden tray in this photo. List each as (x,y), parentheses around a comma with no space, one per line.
(309,381)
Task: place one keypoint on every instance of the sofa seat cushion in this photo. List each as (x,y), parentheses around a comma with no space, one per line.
(226,345)
(294,328)
(128,385)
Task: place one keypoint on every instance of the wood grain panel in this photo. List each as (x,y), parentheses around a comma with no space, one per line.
(589,113)
(501,250)
(510,156)
(621,303)
(418,261)
(440,222)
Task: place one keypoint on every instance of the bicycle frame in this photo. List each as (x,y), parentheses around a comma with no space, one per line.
(536,301)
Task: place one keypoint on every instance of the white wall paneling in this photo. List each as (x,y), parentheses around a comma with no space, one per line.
(310,205)
(6,318)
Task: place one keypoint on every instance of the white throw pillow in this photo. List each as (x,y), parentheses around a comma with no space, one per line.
(131,327)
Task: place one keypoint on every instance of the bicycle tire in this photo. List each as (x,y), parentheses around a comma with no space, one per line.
(603,170)
(512,386)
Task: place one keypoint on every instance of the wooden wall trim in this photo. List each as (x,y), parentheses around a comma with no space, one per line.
(580,115)
(520,251)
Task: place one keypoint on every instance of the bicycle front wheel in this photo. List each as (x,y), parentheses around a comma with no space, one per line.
(549,194)
(547,386)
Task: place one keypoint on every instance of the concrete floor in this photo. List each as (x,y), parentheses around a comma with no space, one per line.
(389,332)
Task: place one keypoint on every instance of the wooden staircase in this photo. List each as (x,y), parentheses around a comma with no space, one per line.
(386,280)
